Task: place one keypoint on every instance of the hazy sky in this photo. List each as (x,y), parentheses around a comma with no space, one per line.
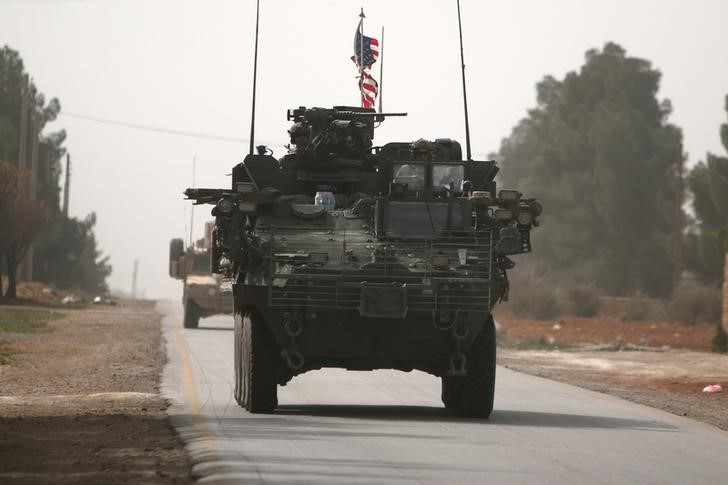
(187,65)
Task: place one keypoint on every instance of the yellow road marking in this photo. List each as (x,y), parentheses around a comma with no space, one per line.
(203,438)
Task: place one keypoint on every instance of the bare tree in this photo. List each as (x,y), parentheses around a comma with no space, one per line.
(21,219)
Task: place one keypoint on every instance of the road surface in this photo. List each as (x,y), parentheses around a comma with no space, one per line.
(334,426)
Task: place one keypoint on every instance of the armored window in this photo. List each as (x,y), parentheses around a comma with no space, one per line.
(411,174)
(445,175)
(201,263)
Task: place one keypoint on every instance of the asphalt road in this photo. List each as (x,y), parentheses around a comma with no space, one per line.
(334,426)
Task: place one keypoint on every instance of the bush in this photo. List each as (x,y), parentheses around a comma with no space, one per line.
(695,305)
(636,310)
(584,301)
(720,340)
(534,302)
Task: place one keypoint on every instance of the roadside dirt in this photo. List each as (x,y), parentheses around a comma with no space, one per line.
(661,364)
(79,400)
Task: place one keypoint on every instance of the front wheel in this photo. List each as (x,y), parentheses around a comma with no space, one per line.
(238,358)
(191,317)
(257,360)
(478,386)
(452,393)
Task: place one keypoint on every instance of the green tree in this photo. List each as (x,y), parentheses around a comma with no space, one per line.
(21,219)
(705,242)
(70,257)
(66,253)
(599,152)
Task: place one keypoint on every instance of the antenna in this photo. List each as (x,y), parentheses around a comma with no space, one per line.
(465,96)
(255,77)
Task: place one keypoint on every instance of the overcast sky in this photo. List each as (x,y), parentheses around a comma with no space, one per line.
(187,65)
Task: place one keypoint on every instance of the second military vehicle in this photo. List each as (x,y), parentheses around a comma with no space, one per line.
(202,292)
(344,254)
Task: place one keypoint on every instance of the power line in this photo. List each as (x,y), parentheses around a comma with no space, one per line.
(39,1)
(156,129)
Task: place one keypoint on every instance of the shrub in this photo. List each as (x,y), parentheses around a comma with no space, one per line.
(584,301)
(636,310)
(534,302)
(694,305)
(720,340)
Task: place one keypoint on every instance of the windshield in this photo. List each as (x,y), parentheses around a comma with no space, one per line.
(201,264)
(412,174)
(445,174)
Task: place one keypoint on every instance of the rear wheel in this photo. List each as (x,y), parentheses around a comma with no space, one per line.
(478,386)
(452,393)
(259,360)
(192,315)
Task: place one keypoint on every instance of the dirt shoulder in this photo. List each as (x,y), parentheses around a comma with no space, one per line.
(660,364)
(79,400)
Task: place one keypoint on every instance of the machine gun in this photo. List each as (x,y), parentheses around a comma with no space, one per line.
(338,132)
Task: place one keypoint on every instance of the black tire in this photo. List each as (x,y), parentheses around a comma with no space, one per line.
(478,386)
(260,358)
(238,362)
(452,393)
(192,315)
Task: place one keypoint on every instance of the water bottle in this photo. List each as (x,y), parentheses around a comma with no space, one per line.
(325,199)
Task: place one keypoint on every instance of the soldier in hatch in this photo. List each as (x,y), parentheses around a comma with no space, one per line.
(300,134)
(421,149)
(414,174)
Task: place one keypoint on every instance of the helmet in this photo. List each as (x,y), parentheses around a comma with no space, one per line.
(421,144)
(298,128)
(421,149)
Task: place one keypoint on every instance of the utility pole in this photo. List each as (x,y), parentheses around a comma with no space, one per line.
(134,280)
(67,185)
(679,220)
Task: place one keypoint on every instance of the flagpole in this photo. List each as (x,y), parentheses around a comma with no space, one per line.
(381,70)
(361,53)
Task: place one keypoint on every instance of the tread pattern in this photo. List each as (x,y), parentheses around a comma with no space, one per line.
(261,356)
(478,386)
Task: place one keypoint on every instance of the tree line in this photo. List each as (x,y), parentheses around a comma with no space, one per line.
(599,150)
(65,251)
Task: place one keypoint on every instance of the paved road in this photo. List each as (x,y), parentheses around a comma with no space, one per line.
(389,427)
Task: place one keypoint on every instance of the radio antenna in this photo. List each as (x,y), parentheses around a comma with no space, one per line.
(255,77)
(465,95)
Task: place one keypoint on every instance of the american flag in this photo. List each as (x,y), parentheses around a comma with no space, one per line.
(369,89)
(366,52)
(369,47)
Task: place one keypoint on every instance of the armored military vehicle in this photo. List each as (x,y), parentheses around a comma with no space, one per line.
(202,295)
(401,272)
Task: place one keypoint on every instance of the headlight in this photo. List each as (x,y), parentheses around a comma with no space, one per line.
(508,195)
(225,205)
(525,218)
(504,214)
